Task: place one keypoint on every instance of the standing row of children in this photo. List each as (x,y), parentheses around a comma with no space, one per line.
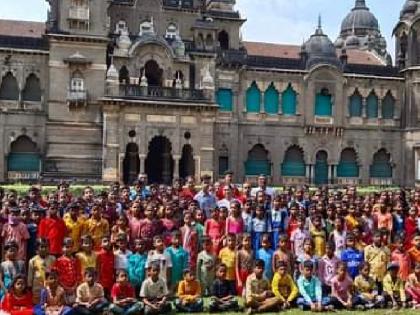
(141,248)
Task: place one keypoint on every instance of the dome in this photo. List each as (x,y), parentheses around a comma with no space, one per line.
(352,40)
(339,42)
(320,49)
(359,18)
(410,7)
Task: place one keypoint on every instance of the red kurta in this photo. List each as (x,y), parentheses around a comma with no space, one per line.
(69,271)
(17,305)
(106,265)
(54,230)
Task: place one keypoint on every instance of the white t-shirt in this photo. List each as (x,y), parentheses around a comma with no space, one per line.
(121,259)
(163,259)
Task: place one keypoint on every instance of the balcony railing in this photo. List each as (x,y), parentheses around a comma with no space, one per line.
(76,97)
(79,13)
(135,91)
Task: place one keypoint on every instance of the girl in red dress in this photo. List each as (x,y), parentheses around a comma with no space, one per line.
(18,300)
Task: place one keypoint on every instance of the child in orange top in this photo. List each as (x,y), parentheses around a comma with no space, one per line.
(402,258)
(414,251)
(384,219)
(18,300)
(189,294)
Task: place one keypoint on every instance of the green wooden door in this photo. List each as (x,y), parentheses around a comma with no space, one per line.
(323,105)
(253,99)
(23,162)
(321,168)
(257,167)
(225,100)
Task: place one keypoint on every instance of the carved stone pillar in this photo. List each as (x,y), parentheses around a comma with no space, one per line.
(176,166)
(111,147)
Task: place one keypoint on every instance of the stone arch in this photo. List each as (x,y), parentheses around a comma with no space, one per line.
(24,156)
(356,104)
(187,162)
(388,106)
(9,87)
(223,38)
(372,105)
(159,163)
(131,163)
(153,73)
(348,165)
(294,162)
(32,91)
(321,168)
(381,166)
(258,161)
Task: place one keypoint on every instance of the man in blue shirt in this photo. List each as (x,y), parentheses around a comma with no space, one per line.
(206,200)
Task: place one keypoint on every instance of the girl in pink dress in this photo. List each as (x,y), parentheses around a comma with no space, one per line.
(169,225)
(215,229)
(235,223)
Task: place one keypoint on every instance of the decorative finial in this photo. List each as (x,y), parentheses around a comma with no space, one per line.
(319,21)
(360,4)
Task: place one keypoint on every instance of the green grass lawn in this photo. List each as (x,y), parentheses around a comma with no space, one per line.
(371,312)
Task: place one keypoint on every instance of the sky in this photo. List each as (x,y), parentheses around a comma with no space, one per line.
(277,21)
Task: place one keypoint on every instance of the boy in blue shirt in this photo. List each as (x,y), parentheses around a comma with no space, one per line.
(265,253)
(352,257)
(310,289)
(137,265)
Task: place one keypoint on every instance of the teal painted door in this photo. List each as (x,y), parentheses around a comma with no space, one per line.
(23,162)
(290,168)
(321,168)
(381,169)
(323,105)
(257,167)
(288,101)
(347,169)
(271,100)
(253,99)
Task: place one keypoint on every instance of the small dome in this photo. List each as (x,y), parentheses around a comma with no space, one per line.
(320,49)
(360,18)
(410,7)
(339,43)
(352,41)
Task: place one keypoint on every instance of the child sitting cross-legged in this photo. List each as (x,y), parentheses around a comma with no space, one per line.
(154,292)
(223,293)
(123,296)
(342,296)
(366,288)
(258,295)
(283,286)
(394,290)
(189,294)
(310,289)
(90,298)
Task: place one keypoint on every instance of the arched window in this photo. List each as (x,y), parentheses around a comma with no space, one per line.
(209,42)
(355,104)
(171,31)
(146,28)
(153,73)
(321,168)
(77,82)
(372,105)
(225,99)
(253,99)
(187,3)
(9,89)
(32,91)
(258,162)
(388,106)
(223,39)
(288,101)
(323,103)
(381,166)
(271,100)
(348,166)
(124,75)
(120,27)
(293,163)
(23,156)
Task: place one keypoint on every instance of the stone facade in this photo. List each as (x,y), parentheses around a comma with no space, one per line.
(106,90)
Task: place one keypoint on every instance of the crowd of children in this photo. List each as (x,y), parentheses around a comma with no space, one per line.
(152,249)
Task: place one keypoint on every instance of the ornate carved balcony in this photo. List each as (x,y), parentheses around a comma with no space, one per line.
(133,91)
(76,98)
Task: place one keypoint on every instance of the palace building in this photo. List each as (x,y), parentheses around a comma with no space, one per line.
(105,90)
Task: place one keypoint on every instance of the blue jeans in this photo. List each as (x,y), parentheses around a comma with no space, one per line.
(127,310)
(39,310)
(301,302)
(195,307)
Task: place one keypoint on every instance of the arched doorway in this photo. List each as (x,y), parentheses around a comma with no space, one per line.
(153,73)
(321,168)
(258,162)
(294,163)
(186,164)
(159,161)
(381,166)
(131,164)
(23,161)
(223,39)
